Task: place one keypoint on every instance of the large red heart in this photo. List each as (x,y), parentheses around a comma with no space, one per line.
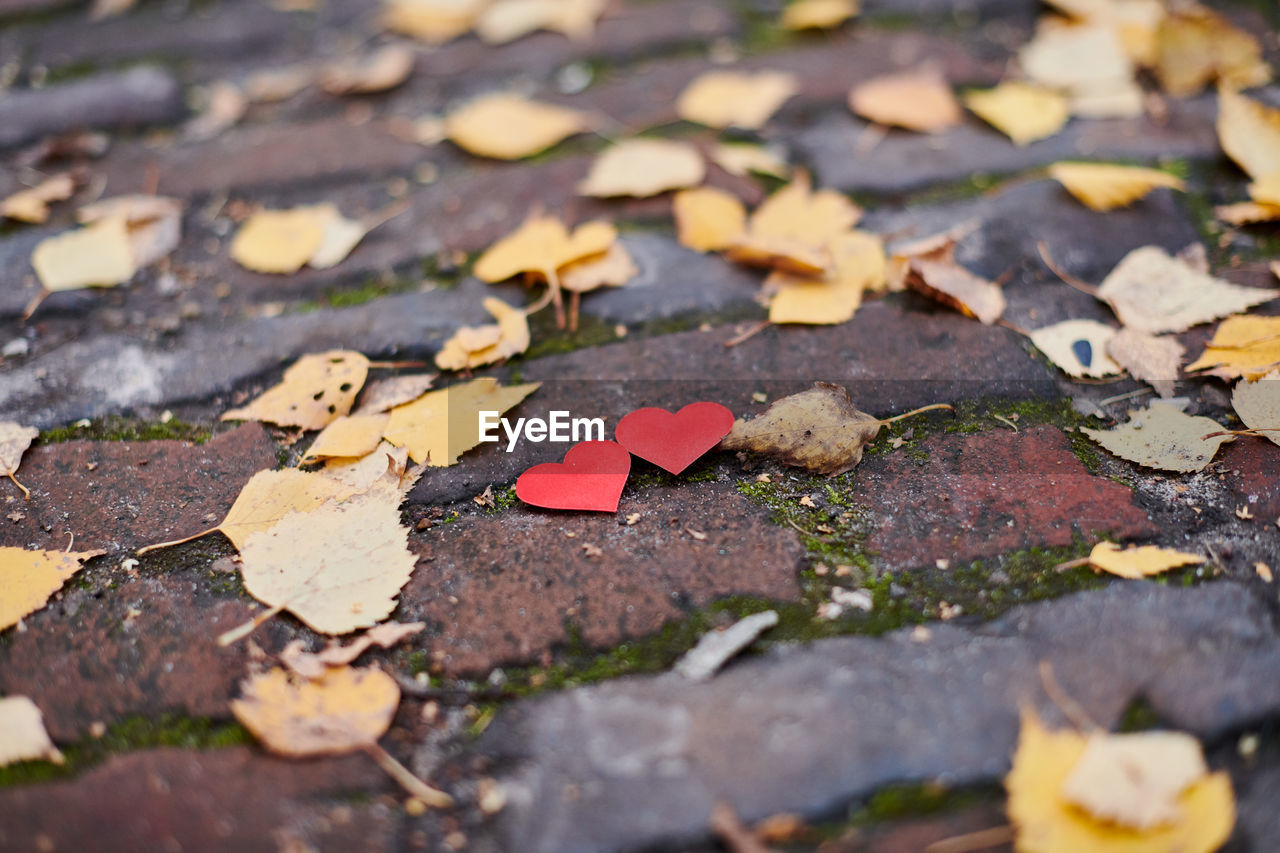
(590,477)
(670,441)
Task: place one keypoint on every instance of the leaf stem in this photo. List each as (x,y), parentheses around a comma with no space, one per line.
(26,493)
(1067,277)
(931,408)
(433,797)
(171,542)
(237,634)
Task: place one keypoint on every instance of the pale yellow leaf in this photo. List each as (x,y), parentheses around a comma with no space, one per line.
(1102,186)
(1021,111)
(352,436)
(1079,347)
(1242,346)
(1140,562)
(643,167)
(819,429)
(799,213)
(466,349)
(22,733)
(32,205)
(154,223)
(779,253)
(345,710)
(1164,438)
(98,255)
(1247,212)
(14,441)
(388,393)
(1134,780)
(734,98)
(1152,291)
(1195,47)
(614,268)
(340,236)
(818,14)
(507,20)
(315,390)
(281,241)
(543,245)
(441,425)
(508,127)
(814,301)
(708,219)
(359,474)
(1266,190)
(315,664)
(432,21)
(1075,58)
(1151,359)
(1257,403)
(1250,133)
(28,578)
(917,100)
(271,495)
(384,69)
(741,159)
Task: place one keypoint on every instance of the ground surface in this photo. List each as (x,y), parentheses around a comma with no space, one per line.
(547,662)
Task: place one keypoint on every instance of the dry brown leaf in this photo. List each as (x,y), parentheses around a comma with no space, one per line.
(32,205)
(819,430)
(14,441)
(917,100)
(348,437)
(315,665)
(98,255)
(1152,291)
(384,69)
(734,98)
(1195,47)
(316,390)
(614,268)
(1250,133)
(1151,359)
(441,425)
(1102,186)
(642,168)
(478,346)
(30,577)
(1142,562)
(1257,404)
(1021,111)
(396,391)
(956,287)
(708,219)
(1079,347)
(1163,437)
(153,223)
(741,159)
(1242,346)
(818,14)
(507,20)
(432,21)
(22,733)
(224,106)
(508,127)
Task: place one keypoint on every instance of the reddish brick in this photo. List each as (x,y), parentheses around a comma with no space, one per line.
(1252,466)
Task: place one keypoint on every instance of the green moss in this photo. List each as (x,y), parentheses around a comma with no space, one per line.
(117,428)
(1139,717)
(896,802)
(503,500)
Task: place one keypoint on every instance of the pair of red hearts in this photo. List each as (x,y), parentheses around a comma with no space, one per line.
(593,472)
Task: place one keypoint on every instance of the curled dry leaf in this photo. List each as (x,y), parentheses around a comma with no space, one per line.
(1149,358)
(613,268)
(1258,404)
(708,219)
(388,393)
(741,159)
(432,21)
(956,287)
(316,390)
(1250,133)
(508,127)
(1141,562)
(441,425)
(14,441)
(1021,111)
(818,14)
(384,69)
(346,710)
(1152,291)
(1242,346)
(314,665)
(542,245)
(858,265)
(1164,438)
(1079,347)
(348,437)
(735,98)
(475,346)
(32,205)
(22,733)
(642,168)
(917,100)
(1194,47)
(30,577)
(1102,186)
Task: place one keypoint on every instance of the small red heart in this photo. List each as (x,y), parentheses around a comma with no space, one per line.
(590,477)
(670,441)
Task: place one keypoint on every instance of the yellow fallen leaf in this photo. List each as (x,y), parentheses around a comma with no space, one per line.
(385,68)
(1154,292)
(1242,346)
(1149,358)
(1247,212)
(351,436)
(1021,111)
(1140,562)
(22,733)
(14,441)
(741,159)
(1086,60)
(344,711)
(340,236)
(1257,404)
(1266,190)
(1046,821)
(779,253)
(1079,347)
(956,287)
(432,21)
(1164,438)
(153,223)
(478,346)
(543,245)
(1102,186)
(32,205)
(388,393)
(508,127)
(507,20)
(1249,133)
(315,665)
(1195,47)
(798,213)
(28,578)
(614,268)
(98,255)
(280,241)
(917,100)
(814,301)
(818,14)
(315,390)
(441,425)
(1134,780)
(734,98)
(643,167)
(359,474)
(708,219)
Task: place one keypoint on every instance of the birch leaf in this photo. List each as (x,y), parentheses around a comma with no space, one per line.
(918,100)
(432,21)
(1258,404)
(1242,346)
(741,159)
(1021,111)
(351,436)
(98,255)
(642,168)
(1194,47)
(1164,438)
(153,223)
(1250,133)
(510,337)
(818,14)
(22,733)
(14,441)
(1079,347)
(1247,212)
(614,268)
(1103,187)
(708,219)
(280,241)
(440,426)
(1149,358)
(388,393)
(345,710)
(956,287)
(316,390)
(1142,562)
(314,665)
(735,99)
(543,245)
(509,127)
(28,578)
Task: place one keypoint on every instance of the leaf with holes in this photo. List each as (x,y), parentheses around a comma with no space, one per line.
(316,390)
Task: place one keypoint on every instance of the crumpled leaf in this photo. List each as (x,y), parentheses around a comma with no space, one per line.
(708,219)
(858,265)
(507,20)
(1139,562)
(283,241)
(613,268)
(315,390)
(388,393)
(14,441)
(818,14)
(741,159)
(345,710)
(1154,292)
(32,204)
(956,287)
(475,346)
(1149,358)
(98,255)
(735,98)
(1046,821)
(819,429)
(1257,404)
(22,733)
(1195,47)
(642,168)
(154,223)
(1249,132)
(1242,346)
(1163,437)
(791,229)
(1089,63)
(1021,111)
(543,245)
(348,437)
(1103,186)
(508,127)
(432,21)
(30,577)
(314,665)
(384,69)
(917,100)
(1079,347)
(441,425)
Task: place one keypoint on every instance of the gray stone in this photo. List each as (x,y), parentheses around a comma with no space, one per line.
(640,761)
(134,98)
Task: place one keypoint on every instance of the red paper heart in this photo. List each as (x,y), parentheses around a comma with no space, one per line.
(590,477)
(670,441)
